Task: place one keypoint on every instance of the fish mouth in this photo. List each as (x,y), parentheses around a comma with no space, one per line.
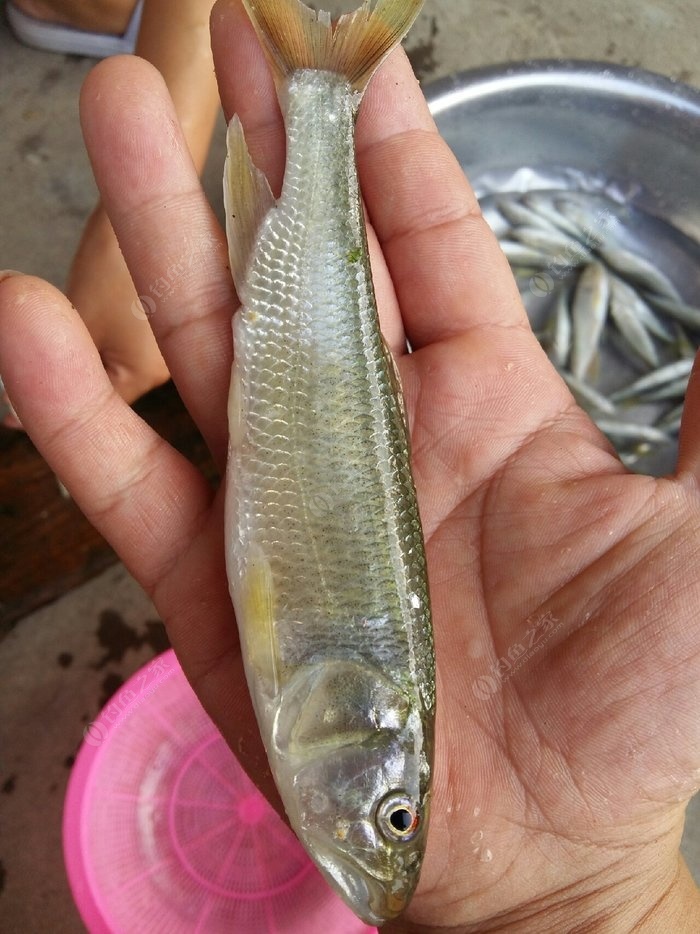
(367,897)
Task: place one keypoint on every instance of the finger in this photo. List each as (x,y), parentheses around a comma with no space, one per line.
(140,493)
(247,89)
(167,231)
(147,500)
(689,438)
(449,273)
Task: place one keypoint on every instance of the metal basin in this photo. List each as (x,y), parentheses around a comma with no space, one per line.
(626,139)
(627,132)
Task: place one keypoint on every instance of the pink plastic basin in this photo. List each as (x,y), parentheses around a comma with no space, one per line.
(164,832)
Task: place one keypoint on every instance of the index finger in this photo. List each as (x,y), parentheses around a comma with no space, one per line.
(167,231)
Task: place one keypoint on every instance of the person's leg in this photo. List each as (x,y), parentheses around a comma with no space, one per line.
(174,36)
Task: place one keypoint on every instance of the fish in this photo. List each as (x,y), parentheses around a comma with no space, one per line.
(588,314)
(620,298)
(558,334)
(586,396)
(324,550)
(631,431)
(646,315)
(543,205)
(497,222)
(678,309)
(675,389)
(639,270)
(552,241)
(669,373)
(625,315)
(519,215)
(594,226)
(519,254)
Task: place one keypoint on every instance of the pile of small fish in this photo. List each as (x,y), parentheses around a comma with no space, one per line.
(599,292)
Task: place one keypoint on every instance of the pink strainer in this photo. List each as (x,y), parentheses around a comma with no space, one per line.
(163,831)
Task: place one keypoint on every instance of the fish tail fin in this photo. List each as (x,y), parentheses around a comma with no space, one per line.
(296,37)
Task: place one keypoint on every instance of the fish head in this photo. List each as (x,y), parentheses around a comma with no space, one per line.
(358,787)
(367,836)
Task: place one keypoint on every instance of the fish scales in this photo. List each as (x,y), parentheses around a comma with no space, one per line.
(329,461)
(325,552)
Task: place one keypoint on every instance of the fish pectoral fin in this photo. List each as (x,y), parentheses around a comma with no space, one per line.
(257,619)
(247,200)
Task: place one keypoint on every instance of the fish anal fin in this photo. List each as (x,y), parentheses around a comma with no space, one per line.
(247,200)
(296,37)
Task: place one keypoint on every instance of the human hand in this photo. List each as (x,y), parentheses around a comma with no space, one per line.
(560,786)
(100,288)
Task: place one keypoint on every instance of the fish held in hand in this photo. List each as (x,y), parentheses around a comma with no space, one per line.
(324,548)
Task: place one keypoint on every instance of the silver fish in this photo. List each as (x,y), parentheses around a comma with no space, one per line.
(521,216)
(587,397)
(625,316)
(631,431)
(589,312)
(497,222)
(665,374)
(519,254)
(552,241)
(324,548)
(594,226)
(678,309)
(651,321)
(639,270)
(560,345)
(543,205)
(676,389)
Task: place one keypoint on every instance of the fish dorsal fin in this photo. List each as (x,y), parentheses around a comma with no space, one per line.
(247,199)
(296,37)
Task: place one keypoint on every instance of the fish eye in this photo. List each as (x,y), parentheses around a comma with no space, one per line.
(397,817)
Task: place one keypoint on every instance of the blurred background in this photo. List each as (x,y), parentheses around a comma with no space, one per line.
(73,624)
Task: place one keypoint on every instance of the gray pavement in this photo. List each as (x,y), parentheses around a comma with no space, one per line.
(61,663)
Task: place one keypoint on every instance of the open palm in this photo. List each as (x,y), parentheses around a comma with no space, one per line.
(565,591)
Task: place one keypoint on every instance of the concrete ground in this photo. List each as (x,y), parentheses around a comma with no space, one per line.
(60,664)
